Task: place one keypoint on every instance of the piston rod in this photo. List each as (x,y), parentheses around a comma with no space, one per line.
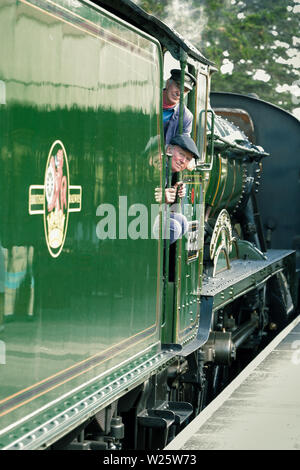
(221,346)
(242,333)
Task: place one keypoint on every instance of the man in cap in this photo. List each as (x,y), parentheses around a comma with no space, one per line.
(171,99)
(184,153)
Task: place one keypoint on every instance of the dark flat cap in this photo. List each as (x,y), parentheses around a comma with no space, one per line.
(189,79)
(186,143)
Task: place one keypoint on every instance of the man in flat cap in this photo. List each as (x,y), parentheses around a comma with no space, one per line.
(171,99)
(184,152)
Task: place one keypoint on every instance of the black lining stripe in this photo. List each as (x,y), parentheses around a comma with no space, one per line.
(53,382)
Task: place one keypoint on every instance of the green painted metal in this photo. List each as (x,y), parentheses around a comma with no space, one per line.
(210,149)
(189,250)
(49,424)
(88,82)
(247,275)
(201,114)
(190,264)
(226,183)
(183,64)
(86,294)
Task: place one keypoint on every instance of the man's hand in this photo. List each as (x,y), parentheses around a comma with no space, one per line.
(181,188)
(170,195)
(158,195)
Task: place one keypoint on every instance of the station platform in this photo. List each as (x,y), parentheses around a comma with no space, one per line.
(259,410)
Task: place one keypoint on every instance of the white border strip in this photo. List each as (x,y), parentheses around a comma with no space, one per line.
(201,419)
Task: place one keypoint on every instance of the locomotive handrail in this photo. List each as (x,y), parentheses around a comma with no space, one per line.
(237,147)
(230,137)
(208,165)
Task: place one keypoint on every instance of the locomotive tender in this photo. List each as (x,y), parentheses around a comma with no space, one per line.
(109,337)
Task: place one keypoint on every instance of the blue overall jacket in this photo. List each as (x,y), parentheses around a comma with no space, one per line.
(171,128)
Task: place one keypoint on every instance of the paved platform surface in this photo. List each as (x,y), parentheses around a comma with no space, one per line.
(259,410)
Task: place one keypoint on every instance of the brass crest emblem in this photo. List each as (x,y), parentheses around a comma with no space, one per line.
(55,199)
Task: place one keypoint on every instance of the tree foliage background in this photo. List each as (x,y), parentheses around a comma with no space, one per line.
(254,43)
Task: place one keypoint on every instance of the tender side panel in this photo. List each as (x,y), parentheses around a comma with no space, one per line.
(79,86)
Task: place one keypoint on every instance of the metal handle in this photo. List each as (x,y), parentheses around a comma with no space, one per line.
(211,153)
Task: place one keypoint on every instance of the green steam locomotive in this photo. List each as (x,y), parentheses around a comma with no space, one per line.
(109,337)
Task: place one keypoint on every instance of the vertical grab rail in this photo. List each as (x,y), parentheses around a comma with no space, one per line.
(211,153)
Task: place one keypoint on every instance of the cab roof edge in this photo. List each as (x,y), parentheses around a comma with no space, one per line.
(167,36)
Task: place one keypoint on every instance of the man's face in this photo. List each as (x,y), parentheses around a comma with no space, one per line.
(173,92)
(180,159)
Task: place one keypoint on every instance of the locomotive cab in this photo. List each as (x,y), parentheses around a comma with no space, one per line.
(183,259)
